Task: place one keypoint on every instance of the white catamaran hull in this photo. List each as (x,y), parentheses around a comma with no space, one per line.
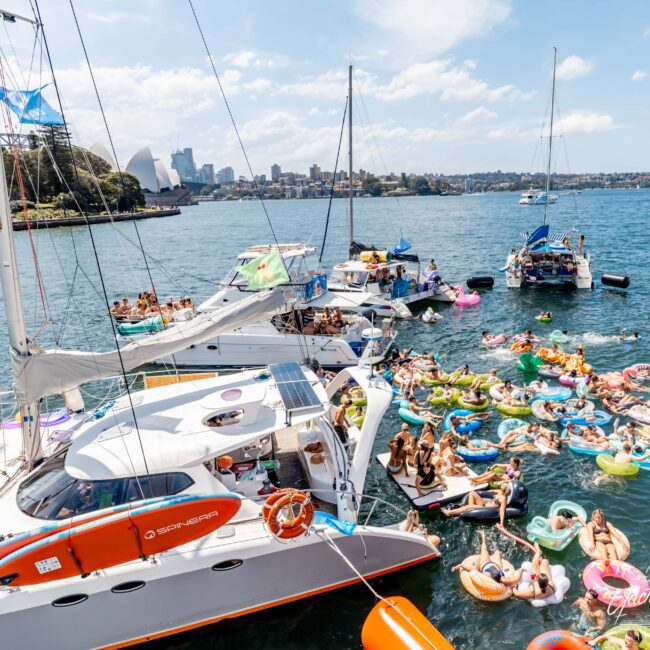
(263,344)
(515,279)
(239,570)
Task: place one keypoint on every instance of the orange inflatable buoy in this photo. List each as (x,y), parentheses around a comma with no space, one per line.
(280,516)
(558,640)
(395,623)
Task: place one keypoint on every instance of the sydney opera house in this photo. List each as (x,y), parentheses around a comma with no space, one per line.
(161,186)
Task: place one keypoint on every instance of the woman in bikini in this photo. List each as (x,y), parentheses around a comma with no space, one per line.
(601,536)
(542,585)
(511,472)
(397,461)
(427,476)
(490,564)
(476,501)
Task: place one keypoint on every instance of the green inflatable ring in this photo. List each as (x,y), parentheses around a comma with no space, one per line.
(621,630)
(609,465)
(509,409)
(361,400)
(437,399)
(444,378)
(488,382)
(473,407)
(543,319)
(464,381)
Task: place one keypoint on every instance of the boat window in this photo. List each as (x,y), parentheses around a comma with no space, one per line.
(51,493)
(224,418)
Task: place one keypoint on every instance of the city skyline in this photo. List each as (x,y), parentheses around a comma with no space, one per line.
(461,88)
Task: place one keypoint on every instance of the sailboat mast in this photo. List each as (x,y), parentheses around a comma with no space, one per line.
(550,142)
(9,279)
(350,153)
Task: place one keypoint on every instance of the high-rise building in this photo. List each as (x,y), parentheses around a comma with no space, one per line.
(275,173)
(207,174)
(314,172)
(226,175)
(469,184)
(183,163)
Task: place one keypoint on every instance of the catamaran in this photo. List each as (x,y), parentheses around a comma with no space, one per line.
(157,512)
(393,277)
(545,258)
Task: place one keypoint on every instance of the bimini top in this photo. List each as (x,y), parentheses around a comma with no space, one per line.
(288,251)
(182,425)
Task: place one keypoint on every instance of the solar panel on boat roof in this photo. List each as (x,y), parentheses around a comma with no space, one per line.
(296,392)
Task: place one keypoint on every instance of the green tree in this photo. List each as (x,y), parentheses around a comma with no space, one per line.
(372,185)
(420,185)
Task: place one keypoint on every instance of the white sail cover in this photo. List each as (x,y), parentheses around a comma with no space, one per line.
(50,372)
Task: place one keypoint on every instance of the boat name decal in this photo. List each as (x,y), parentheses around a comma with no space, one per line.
(150,534)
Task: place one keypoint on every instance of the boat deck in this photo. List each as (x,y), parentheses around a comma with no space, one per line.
(292,473)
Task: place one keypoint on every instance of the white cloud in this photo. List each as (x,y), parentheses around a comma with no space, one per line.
(251,59)
(479,114)
(117,16)
(257,85)
(453,83)
(573,67)
(585,122)
(639,75)
(430,27)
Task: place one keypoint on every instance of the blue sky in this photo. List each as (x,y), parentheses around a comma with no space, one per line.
(447,85)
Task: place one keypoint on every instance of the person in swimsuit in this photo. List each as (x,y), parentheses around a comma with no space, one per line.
(427,477)
(474,397)
(632,640)
(564,520)
(625,455)
(490,564)
(422,411)
(511,472)
(601,537)
(475,501)
(409,444)
(541,585)
(451,463)
(592,614)
(428,434)
(412,525)
(397,461)
(341,420)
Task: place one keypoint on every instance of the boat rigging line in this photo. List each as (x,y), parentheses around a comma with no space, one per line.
(99,268)
(336,166)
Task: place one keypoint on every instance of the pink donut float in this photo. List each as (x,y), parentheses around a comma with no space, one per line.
(569,380)
(635,595)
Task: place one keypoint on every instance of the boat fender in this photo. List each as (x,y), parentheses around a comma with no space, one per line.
(612,280)
(480,282)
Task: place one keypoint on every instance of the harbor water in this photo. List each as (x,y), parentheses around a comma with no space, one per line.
(467,235)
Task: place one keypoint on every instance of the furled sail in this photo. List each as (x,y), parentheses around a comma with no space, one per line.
(50,372)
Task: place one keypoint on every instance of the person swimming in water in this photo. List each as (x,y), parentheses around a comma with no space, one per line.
(592,613)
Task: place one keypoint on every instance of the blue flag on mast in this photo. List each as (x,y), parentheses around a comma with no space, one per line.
(30,106)
(402,246)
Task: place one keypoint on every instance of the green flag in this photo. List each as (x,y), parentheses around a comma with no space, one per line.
(266,271)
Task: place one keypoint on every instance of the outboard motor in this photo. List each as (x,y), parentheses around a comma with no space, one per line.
(612,280)
(480,282)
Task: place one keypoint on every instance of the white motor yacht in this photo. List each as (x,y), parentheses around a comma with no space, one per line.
(172,440)
(536,197)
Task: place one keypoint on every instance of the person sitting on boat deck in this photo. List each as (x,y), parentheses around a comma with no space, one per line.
(141,310)
(542,586)
(498,499)
(116,311)
(601,537)
(422,411)
(625,455)
(308,317)
(327,325)
(433,275)
(428,433)
(374,258)
(337,318)
(632,641)
(451,464)
(511,472)
(592,613)
(412,525)
(426,476)
(397,461)
(490,565)
(409,442)
(341,420)
(474,397)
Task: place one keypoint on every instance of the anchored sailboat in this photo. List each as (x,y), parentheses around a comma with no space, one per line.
(545,258)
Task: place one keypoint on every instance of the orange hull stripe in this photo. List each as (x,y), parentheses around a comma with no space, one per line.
(275,603)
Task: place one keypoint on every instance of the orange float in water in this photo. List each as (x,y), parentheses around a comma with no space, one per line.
(118,538)
(395,623)
(558,640)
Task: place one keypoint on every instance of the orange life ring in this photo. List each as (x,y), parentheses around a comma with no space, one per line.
(372,266)
(293,525)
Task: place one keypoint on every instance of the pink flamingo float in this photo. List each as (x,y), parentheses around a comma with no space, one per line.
(463,299)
